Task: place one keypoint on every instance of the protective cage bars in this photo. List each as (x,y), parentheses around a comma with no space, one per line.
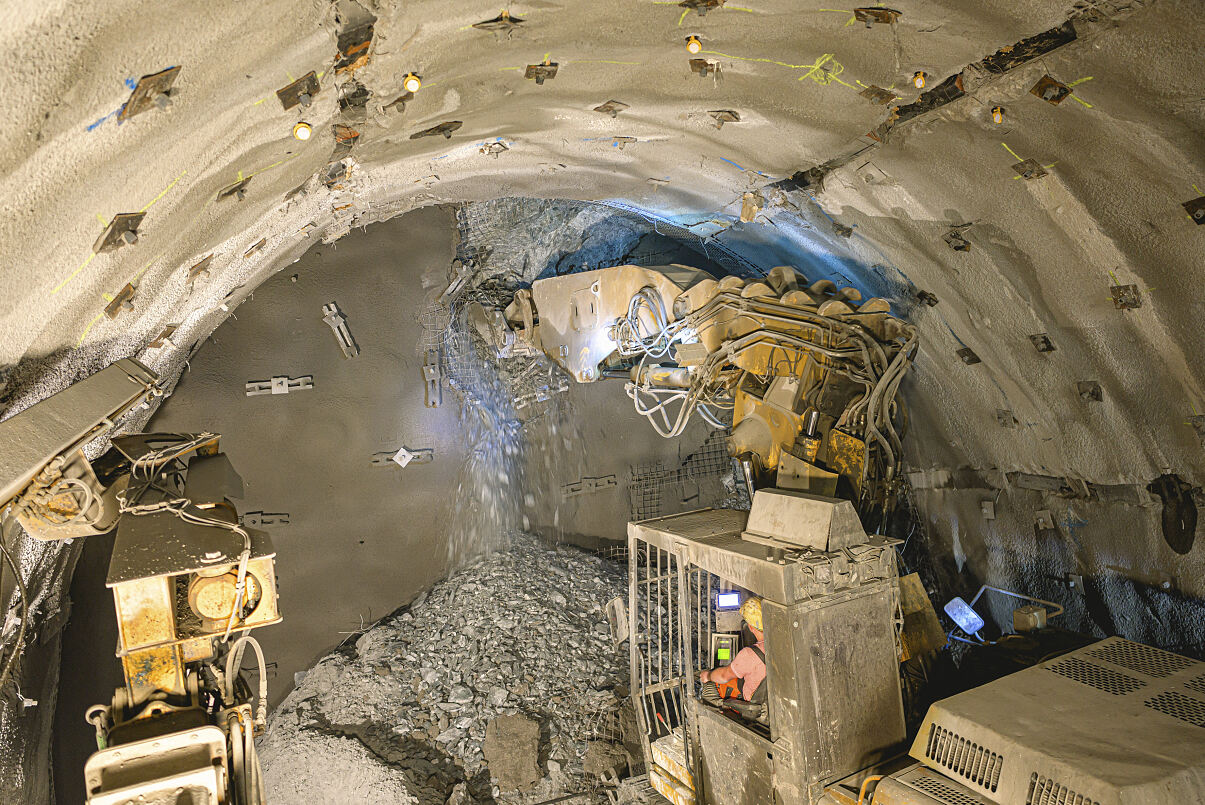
(670,623)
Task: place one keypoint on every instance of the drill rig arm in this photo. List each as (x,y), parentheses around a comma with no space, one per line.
(809,373)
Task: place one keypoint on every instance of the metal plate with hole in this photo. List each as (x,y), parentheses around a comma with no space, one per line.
(1030,169)
(301,91)
(611,108)
(147,92)
(115,235)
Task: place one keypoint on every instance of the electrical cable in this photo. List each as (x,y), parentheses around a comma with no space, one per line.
(19,643)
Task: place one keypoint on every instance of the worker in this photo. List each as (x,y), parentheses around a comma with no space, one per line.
(742,677)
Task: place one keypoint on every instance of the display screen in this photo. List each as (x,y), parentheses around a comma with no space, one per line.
(727,600)
(724,654)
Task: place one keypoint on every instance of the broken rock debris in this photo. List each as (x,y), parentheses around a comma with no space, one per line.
(492,686)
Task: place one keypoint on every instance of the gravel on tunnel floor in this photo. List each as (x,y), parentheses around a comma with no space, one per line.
(400,716)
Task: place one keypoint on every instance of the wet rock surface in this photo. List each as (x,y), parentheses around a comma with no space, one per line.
(490,687)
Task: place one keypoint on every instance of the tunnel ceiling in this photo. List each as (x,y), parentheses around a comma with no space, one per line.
(919,195)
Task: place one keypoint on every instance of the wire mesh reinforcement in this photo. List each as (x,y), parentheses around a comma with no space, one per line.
(648,483)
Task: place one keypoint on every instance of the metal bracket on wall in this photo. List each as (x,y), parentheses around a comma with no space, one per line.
(123,301)
(433,378)
(152,90)
(121,231)
(279,385)
(334,317)
(404,456)
(260,519)
(587,485)
(301,91)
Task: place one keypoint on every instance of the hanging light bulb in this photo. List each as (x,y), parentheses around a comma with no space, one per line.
(693,45)
(997,115)
(918,80)
(411,82)
(302,130)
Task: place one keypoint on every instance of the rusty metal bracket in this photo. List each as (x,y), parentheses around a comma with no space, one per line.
(541,72)
(121,231)
(151,90)
(611,108)
(123,301)
(301,91)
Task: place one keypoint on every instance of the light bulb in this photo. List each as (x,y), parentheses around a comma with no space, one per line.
(693,45)
(412,82)
(997,114)
(918,80)
(302,130)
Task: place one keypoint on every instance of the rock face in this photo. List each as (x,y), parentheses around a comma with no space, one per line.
(498,678)
(512,750)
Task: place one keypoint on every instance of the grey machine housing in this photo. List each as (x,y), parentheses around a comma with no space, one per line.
(830,612)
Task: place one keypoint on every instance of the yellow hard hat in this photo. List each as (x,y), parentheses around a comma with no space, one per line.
(751,612)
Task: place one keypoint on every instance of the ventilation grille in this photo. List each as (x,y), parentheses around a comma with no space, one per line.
(1177,705)
(1196,683)
(1043,791)
(1096,676)
(944,792)
(967,759)
(1140,658)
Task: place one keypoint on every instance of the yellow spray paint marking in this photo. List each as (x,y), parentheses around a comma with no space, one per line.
(102,220)
(600,61)
(1194,187)
(70,277)
(163,192)
(261,100)
(684,13)
(1080,81)
(1080,100)
(764,61)
(290,75)
(823,75)
(1011,151)
(88,329)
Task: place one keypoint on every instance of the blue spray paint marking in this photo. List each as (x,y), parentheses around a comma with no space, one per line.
(741,167)
(128,83)
(95,125)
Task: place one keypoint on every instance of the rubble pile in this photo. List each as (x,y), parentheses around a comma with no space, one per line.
(515,645)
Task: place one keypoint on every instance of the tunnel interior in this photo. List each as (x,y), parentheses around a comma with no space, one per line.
(1021,185)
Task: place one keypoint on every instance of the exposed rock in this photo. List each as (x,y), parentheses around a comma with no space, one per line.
(479,656)
(512,749)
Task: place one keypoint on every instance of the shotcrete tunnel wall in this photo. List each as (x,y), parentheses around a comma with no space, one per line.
(1015,428)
